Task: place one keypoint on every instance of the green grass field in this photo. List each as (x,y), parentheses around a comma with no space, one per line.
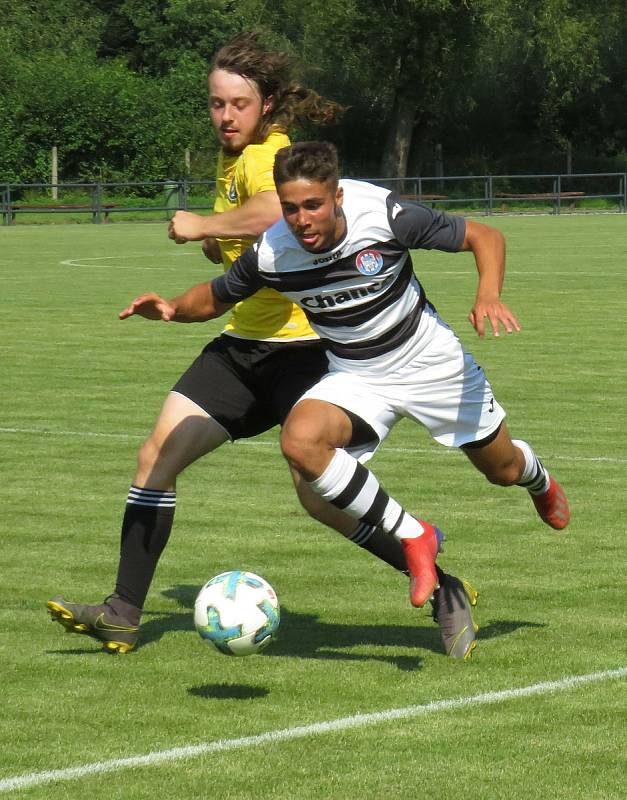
(79,391)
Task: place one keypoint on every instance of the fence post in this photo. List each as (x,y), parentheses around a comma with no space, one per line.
(557,188)
(624,192)
(487,184)
(7,211)
(96,203)
(54,172)
(439,168)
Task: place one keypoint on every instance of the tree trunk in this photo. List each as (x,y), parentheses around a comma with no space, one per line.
(400,130)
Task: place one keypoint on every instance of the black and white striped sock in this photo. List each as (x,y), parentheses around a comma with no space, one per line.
(535,478)
(385,547)
(152,498)
(362,534)
(348,485)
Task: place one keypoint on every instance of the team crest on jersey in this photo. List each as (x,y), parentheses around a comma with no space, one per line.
(369,262)
(232,191)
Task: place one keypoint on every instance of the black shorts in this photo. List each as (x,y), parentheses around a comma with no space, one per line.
(250,386)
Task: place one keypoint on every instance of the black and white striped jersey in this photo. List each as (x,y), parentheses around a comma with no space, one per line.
(362,296)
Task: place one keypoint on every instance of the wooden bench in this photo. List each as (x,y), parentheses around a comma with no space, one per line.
(424,198)
(33,207)
(554,196)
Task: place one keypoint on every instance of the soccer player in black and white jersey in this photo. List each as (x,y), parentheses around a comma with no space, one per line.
(341,252)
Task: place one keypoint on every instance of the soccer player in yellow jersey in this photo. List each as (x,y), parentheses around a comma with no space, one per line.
(245,381)
(268,315)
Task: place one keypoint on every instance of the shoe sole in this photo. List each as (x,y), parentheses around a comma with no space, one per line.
(471,593)
(471,649)
(62,615)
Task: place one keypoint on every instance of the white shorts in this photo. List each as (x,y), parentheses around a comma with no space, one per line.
(431,380)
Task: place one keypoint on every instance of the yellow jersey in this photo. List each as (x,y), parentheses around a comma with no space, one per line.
(267,314)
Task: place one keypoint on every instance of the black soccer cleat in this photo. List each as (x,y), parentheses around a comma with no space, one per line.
(452,609)
(102,622)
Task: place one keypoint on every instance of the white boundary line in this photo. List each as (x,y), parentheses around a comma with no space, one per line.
(125,259)
(128,265)
(129,262)
(255,443)
(315,729)
(80,261)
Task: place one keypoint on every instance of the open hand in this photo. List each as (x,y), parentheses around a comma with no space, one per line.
(150,306)
(496,314)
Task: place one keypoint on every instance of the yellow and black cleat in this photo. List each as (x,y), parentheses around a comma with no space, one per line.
(100,622)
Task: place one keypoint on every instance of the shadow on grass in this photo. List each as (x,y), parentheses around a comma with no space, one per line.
(88,650)
(305,636)
(503,627)
(228,691)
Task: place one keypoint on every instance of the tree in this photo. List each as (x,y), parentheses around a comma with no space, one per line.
(154,35)
(542,73)
(494,80)
(396,63)
(108,122)
(120,85)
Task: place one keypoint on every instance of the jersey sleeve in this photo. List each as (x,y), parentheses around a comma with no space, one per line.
(418,227)
(240,281)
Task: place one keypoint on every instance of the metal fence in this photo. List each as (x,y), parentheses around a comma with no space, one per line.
(103,200)
(484,194)
(497,194)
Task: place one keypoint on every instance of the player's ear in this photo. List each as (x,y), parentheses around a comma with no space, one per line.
(339,197)
(268,104)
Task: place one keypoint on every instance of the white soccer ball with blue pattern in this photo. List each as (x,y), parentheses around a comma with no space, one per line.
(237,613)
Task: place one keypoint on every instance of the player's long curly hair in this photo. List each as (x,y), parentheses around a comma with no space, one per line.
(271,71)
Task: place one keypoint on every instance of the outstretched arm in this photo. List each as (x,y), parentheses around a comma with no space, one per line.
(197,304)
(488,247)
(249,221)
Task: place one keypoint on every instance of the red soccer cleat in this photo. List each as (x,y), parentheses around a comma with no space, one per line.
(552,506)
(420,554)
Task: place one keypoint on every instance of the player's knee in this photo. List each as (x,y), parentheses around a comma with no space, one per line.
(147,455)
(299,444)
(153,466)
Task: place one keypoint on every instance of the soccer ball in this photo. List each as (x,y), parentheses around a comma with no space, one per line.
(237,613)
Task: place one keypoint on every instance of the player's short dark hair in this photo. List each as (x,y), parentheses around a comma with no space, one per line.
(315,161)
(271,71)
